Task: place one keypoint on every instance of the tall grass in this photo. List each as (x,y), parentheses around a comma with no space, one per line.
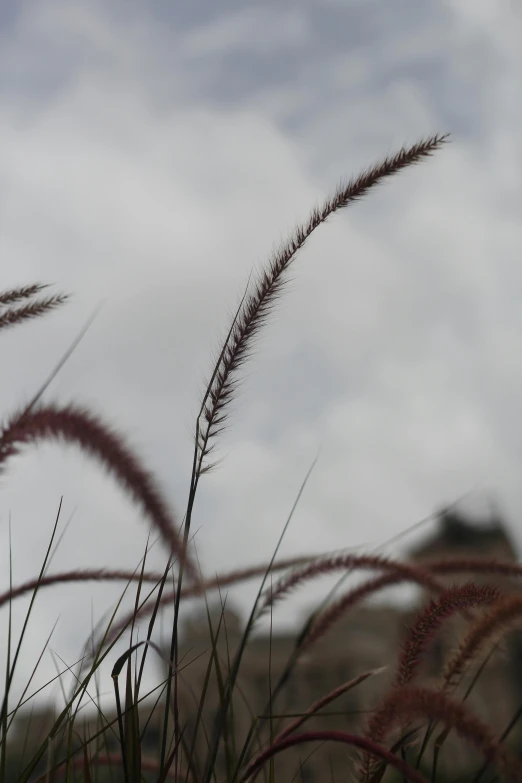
(115,750)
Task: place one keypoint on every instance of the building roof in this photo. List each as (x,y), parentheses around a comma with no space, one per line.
(457,533)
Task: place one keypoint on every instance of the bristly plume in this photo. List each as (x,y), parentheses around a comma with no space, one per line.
(77,575)
(104,574)
(395,573)
(336,611)
(15,315)
(423,629)
(76,425)
(421,633)
(348,562)
(413,702)
(457,598)
(218,582)
(259,304)
(474,565)
(23,292)
(503,614)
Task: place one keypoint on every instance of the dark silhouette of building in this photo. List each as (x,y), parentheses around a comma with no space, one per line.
(367,638)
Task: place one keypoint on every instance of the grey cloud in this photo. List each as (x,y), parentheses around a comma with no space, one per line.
(156,177)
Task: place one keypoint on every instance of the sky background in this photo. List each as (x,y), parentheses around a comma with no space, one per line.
(153,155)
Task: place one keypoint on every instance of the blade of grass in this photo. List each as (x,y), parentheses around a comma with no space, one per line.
(10,669)
(186,531)
(77,693)
(13,713)
(5,705)
(303,634)
(54,372)
(248,629)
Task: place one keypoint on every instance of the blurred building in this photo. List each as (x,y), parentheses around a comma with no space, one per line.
(368,638)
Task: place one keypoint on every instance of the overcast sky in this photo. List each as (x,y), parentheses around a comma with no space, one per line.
(152,156)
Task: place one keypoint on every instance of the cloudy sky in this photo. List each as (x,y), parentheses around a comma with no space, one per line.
(152,156)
